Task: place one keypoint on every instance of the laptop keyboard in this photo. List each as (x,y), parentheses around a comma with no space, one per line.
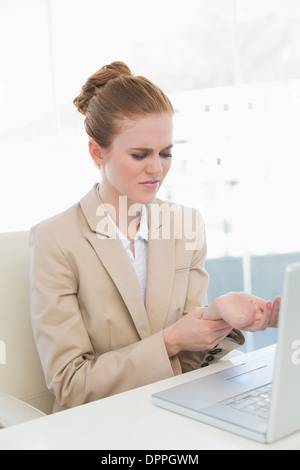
(256,401)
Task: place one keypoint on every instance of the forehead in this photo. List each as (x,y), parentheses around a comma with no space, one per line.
(146,130)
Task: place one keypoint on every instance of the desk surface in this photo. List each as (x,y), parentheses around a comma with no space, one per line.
(129,421)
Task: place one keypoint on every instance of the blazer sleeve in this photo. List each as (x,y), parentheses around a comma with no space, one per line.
(73,371)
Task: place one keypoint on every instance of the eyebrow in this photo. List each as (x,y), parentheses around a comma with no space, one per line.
(146,149)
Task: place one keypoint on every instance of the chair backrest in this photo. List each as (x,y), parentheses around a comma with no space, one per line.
(21,373)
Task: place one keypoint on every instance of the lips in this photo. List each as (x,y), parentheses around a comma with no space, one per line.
(151,184)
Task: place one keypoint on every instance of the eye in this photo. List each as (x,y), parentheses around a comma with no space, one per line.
(139,156)
(165,154)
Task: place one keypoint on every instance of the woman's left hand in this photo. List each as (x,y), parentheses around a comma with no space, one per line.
(244,311)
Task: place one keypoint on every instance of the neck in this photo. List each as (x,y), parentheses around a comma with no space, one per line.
(125,213)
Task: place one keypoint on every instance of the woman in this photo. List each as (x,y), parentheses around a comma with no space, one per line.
(118,284)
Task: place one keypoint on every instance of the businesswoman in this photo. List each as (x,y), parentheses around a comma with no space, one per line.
(118,282)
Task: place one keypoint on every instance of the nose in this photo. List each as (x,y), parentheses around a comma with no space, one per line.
(154,165)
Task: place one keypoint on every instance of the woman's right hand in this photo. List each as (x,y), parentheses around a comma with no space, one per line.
(194,333)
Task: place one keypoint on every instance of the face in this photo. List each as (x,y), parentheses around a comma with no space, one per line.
(137,162)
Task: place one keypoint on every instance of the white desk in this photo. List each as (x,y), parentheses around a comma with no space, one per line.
(129,421)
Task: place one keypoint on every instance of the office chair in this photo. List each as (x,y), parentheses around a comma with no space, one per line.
(23,391)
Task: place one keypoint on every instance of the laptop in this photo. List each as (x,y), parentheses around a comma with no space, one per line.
(259,399)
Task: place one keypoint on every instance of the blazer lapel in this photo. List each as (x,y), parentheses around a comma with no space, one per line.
(161,265)
(110,250)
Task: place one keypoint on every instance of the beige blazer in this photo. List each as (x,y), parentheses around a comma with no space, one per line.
(94,334)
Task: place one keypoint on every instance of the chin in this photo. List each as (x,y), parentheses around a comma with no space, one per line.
(143,198)
(148,199)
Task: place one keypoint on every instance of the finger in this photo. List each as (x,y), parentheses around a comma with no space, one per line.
(220,337)
(224,331)
(273,321)
(262,323)
(217,324)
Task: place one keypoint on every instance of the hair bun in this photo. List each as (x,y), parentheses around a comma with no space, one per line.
(97,80)
(117,68)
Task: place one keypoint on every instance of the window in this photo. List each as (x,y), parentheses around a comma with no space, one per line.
(231,68)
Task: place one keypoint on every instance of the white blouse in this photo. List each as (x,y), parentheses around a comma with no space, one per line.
(139,260)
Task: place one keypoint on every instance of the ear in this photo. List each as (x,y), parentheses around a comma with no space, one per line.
(96,152)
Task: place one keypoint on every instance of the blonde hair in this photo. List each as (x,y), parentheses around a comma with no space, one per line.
(114,93)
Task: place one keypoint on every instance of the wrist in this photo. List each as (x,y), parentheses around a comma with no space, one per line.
(170,341)
(211,311)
